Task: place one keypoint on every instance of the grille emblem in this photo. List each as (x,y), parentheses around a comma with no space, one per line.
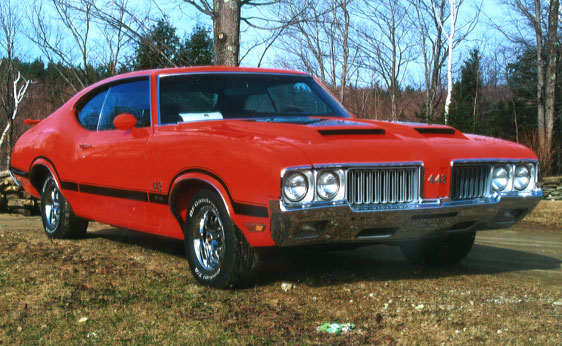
(439,179)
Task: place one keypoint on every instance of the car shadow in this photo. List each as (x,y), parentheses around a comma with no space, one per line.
(317,267)
(383,263)
(158,243)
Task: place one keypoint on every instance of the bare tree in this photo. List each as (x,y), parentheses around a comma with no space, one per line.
(388,43)
(115,34)
(543,18)
(430,17)
(14,85)
(65,42)
(318,41)
(17,93)
(227,16)
(450,35)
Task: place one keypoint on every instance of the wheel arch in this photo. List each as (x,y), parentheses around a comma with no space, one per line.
(186,184)
(40,170)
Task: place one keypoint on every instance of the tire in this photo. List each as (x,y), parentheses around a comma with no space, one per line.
(59,220)
(446,250)
(218,254)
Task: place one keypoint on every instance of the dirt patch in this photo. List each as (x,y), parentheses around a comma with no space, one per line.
(118,286)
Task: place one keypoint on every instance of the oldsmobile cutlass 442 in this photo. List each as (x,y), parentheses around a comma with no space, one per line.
(233,159)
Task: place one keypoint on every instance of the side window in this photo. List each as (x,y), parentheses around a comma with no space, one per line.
(132,97)
(89,115)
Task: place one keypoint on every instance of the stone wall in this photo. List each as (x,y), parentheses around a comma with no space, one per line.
(14,200)
(552,188)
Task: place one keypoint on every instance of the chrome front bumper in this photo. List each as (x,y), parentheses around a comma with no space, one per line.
(341,224)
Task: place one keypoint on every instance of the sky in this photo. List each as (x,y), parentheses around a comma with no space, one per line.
(185,17)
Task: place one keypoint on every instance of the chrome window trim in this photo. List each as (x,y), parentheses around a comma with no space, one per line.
(106,86)
(163,75)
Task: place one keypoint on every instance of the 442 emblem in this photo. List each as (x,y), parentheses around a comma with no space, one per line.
(439,179)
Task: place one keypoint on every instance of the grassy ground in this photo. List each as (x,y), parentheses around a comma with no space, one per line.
(117,287)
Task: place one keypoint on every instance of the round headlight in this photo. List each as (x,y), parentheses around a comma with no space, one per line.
(522,177)
(295,187)
(327,185)
(500,178)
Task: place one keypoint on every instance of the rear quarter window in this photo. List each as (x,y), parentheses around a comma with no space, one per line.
(89,115)
(132,97)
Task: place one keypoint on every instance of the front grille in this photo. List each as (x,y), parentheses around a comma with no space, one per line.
(382,185)
(470,181)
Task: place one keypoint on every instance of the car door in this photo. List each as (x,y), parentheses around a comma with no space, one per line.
(111,163)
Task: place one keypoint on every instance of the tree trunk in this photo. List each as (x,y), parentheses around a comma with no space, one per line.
(226,29)
(450,61)
(540,81)
(550,82)
(393,102)
(345,47)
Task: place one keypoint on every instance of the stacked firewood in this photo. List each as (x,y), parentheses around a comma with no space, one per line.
(552,188)
(14,199)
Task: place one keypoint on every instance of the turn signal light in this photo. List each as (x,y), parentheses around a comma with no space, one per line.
(255,227)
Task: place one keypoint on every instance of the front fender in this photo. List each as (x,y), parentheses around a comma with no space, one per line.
(184,187)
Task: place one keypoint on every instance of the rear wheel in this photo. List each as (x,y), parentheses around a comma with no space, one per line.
(218,254)
(449,249)
(59,220)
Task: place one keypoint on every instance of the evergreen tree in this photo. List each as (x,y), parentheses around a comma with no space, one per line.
(197,49)
(161,47)
(467,96)
(158,48)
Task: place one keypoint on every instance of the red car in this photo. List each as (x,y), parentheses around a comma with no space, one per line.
(232,159)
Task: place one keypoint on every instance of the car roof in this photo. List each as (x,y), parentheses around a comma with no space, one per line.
(179,70)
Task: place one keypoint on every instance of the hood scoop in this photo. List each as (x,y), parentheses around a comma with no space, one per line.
(435,130)
(351,131)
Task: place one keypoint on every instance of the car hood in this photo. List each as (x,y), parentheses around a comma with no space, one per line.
(336,140)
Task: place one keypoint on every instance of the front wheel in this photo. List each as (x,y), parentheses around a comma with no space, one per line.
(218,254)
(445,250)
(59,220)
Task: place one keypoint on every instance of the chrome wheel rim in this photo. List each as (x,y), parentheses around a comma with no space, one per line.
(51,207)
(208,238)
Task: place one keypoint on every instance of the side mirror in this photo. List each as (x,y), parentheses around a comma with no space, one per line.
(125,121)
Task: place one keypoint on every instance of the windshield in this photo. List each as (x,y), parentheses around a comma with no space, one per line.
(266,97)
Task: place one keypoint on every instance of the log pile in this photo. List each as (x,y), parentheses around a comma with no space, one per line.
(14,199)
(552,188)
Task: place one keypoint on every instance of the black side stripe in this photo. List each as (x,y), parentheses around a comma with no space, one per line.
(158,198)
(249,210)
(67,185)
(118,193)
(239,208)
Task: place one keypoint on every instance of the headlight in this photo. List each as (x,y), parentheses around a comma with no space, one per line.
(522,177)
(500,178)
(327,185)
(295,187)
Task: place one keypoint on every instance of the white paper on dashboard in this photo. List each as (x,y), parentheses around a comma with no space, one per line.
(201,116)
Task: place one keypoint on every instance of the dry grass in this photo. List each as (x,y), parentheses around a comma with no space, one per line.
(547,214)
(135,288)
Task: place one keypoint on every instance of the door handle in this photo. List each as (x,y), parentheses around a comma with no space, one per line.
(85,146)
